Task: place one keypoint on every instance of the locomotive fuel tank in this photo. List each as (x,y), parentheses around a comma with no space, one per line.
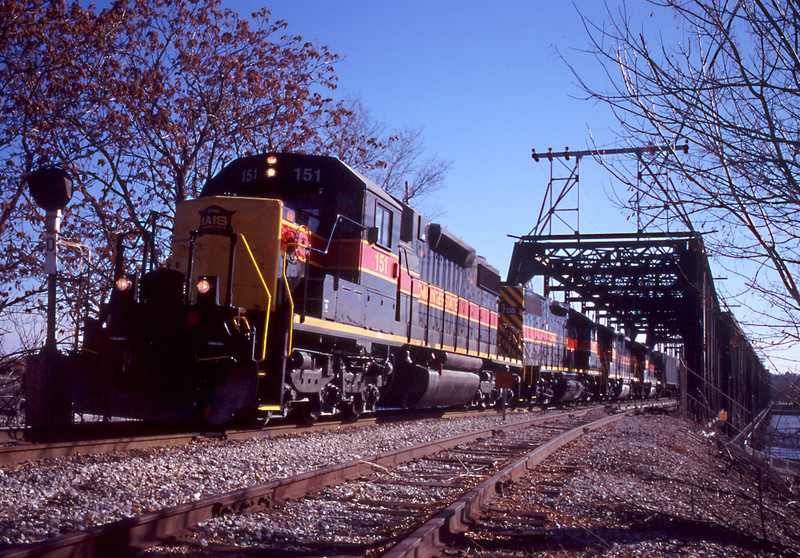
(439,388)
(435,379)
(620,390)
(568,388)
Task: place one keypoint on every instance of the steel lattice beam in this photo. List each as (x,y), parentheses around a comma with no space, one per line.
(647,282)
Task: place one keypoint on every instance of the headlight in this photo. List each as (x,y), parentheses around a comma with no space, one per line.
(123,284)
(271,170)
(124,291)
(203,286)
(208,290)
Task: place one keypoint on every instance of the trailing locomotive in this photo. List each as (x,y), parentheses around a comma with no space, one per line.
(297,285)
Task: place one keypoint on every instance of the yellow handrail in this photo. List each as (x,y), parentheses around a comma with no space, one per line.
(269,297)
(291,304)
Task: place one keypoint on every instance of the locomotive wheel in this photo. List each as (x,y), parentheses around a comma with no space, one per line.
(307,412)
(354,408)
(372,396)
(251,418)
(546,394)
(506,399)
(479,401)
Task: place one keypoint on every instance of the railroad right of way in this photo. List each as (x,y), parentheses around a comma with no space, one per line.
(88,482)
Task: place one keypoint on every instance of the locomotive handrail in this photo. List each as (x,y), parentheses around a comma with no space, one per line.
(148,251)
(291,302)
(233,238)
(269,297)
(339,218)
(411,290)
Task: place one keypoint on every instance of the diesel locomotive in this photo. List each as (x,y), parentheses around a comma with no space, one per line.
(296,285)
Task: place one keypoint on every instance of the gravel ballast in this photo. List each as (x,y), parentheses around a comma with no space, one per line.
(39,500)
(651,485)
(654,485)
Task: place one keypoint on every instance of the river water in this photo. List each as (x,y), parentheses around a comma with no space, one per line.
(786,441)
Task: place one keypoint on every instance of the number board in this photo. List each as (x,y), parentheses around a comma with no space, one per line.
(251,172)
(307,174)
(265,173)
(256,172)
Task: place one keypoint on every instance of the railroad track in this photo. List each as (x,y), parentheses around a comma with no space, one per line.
(20,450)
(24,451)
(394,493)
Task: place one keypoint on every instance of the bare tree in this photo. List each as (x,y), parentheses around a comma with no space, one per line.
(47,52)
(395,160)
(726,78)
(408,174)
(142,102)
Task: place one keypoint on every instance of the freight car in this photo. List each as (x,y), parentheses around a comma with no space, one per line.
(295,284)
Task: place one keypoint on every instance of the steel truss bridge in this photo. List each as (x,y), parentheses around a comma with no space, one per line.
(642,283)
(654,284)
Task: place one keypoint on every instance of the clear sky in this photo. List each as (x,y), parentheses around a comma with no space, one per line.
(485,83)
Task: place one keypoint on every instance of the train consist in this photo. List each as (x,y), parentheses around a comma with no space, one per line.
(297,285)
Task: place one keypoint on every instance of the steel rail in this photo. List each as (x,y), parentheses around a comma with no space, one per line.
(154,528)
(429,539)
(35,451)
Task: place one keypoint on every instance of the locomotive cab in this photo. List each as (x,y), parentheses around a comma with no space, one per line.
(322,240)
(582,333)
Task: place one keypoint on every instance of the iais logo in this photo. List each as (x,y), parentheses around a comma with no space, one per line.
(215,220)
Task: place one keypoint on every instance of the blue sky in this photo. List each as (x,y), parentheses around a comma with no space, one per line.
(485,83)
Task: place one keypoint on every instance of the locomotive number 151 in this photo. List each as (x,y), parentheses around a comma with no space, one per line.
(306,174)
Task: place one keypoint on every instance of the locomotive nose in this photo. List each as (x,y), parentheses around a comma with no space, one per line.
(248,268)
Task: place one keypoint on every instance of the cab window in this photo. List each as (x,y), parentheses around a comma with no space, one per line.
(383,222)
